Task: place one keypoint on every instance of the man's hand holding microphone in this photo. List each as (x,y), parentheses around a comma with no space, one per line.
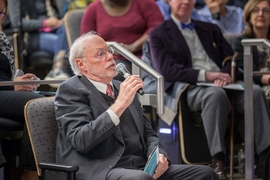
(128,89)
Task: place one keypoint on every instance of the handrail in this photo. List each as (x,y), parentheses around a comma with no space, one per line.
(254,42)
(27,82)
(147,99)
(248,95)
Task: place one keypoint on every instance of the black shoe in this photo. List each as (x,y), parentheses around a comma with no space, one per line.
(219,169)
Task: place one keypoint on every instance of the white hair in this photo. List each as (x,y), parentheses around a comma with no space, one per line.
(77,51)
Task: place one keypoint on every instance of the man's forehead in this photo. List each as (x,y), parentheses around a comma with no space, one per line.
(96,43)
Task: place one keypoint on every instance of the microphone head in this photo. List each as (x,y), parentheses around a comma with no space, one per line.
(119,66)
(121,69)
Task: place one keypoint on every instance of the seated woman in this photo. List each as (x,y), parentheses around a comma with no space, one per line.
(257,19)
(45,31)
(14,98)
(127,22)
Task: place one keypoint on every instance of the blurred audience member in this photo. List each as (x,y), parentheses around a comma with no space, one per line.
(190,51)
(127,22)
(14,98)
(257,19)
(45,31)
(228,18)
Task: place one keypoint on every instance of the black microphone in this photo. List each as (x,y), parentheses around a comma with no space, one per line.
(121,68)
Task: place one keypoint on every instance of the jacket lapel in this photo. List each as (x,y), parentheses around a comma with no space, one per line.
(176,36)
(204,37)
(93,92)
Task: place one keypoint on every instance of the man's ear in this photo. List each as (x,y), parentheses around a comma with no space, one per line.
(81,64)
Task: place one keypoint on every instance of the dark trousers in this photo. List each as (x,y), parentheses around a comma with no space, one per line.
(12,107)
(175,172)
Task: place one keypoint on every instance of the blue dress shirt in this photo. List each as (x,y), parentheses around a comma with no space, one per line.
(231,23)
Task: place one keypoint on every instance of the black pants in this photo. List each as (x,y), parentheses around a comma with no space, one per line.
(12,107)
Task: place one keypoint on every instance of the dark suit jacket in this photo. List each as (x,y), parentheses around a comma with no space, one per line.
(87,136)
(171,56)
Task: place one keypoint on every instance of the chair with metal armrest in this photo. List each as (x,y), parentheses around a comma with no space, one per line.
(42,129)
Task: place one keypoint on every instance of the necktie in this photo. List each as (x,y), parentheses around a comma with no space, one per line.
(189,26)
(109,91)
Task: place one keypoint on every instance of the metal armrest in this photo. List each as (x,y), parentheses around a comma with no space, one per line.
(53,171)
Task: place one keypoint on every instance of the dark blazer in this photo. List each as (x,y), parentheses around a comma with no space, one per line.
(87,136)
(258,58)
(171,56)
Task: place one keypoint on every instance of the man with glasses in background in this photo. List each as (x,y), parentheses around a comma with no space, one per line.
(101,124)
(190,51)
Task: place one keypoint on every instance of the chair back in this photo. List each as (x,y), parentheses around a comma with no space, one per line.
(72,21)
(42,129)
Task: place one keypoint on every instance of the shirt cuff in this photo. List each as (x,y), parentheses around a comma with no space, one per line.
(201,75)
(114,117)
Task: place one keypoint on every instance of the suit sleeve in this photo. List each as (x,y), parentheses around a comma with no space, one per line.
(169,62)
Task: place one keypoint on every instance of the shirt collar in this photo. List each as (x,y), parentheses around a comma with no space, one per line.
(177,22)
(100,86)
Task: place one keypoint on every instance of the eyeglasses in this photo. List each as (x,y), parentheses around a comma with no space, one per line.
(102,53)
(264,11)
(2,14)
